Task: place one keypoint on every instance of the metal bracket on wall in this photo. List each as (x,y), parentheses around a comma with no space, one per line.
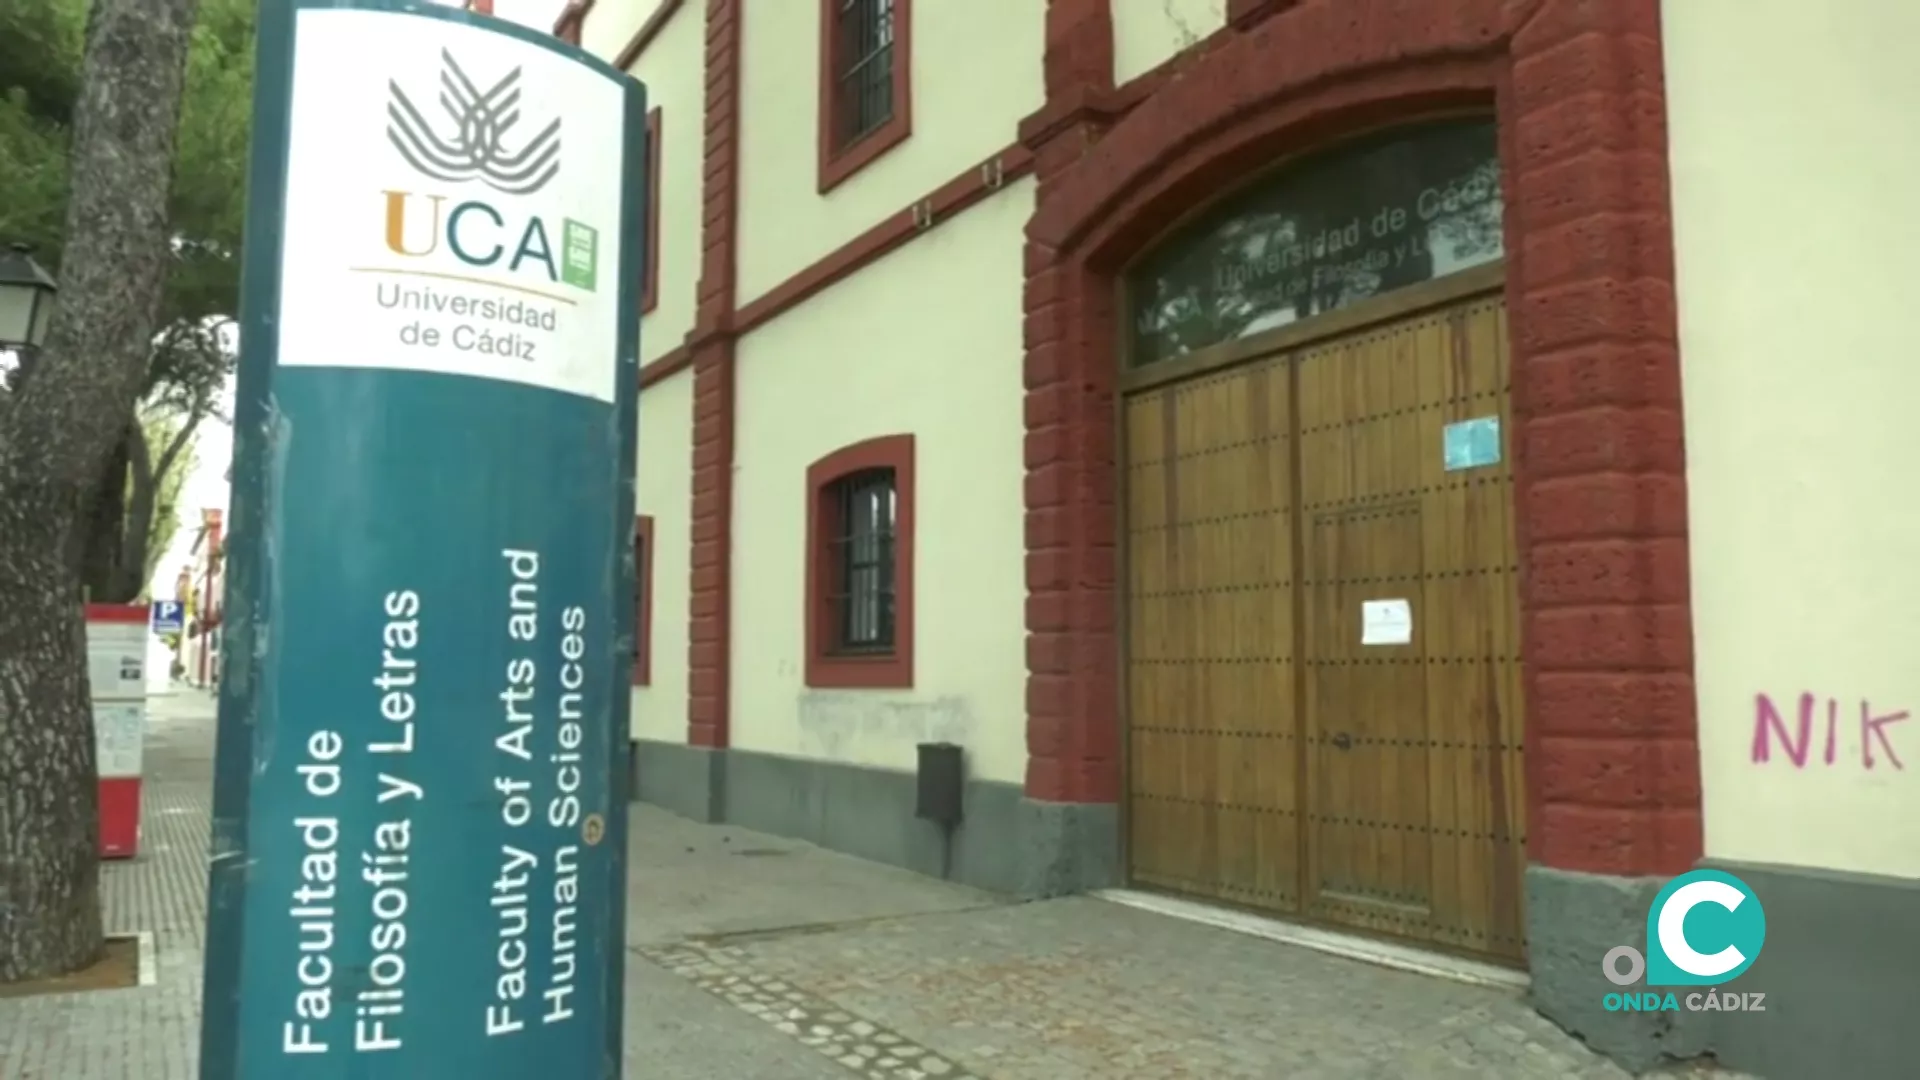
(923,215)
(993,174)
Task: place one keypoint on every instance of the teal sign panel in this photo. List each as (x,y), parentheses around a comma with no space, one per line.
(1472,444)
(418,864)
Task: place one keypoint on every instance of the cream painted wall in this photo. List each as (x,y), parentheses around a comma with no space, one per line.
(612,23)
(1148,33)
(1794,164)
(663,479)
(927,341)
(674,71)
(976,72)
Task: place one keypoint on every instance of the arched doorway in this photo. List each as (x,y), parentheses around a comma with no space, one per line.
(1320,589)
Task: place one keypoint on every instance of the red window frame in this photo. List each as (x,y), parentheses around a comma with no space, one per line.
(643,600)
(826,666)
(840,158)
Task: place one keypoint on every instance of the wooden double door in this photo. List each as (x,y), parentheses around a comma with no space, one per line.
(1322,639)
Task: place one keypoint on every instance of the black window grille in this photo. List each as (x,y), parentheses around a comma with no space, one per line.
(863,68)
(861,553)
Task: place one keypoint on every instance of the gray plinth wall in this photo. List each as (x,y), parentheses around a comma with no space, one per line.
(1840,971)
(1007,843)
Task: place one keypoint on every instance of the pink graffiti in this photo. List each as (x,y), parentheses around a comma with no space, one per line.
(1769,725)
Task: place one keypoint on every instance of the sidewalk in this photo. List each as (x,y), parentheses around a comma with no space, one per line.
(758,958)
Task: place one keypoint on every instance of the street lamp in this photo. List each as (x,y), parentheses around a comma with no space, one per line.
(26,299)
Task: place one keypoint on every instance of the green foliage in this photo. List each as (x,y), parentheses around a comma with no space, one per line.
(39,78)
(160,430)
(40,43)
(40,54)
(210,163)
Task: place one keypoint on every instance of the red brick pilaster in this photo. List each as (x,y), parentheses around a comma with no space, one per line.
(711,344)
(1612,759)
(1079,49)
(1576,88)
(1072,647)
(567,26)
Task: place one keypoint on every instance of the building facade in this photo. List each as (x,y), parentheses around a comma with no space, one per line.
(1363,461)
(201,590)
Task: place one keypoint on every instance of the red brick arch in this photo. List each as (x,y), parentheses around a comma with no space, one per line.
(1576,88)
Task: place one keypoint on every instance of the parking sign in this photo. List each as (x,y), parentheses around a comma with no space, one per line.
(169,616)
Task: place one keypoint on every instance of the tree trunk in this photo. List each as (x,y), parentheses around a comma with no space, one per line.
(49,814)
(56,432)
(105,518)
(150,477)
(169,485)
(136,524)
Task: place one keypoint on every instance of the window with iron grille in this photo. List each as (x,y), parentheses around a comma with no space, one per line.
(643,600)
(860,551)
(860,565)
(863,68)
(650,262)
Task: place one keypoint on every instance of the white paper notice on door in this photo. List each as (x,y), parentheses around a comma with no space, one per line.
(1386,622)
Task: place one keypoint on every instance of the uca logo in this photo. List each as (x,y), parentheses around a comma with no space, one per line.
(476,143)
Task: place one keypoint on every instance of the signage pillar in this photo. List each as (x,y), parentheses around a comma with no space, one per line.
(116,673)
(419,836)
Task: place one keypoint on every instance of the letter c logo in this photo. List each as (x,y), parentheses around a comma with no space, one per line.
(1673,928)
(1727,918)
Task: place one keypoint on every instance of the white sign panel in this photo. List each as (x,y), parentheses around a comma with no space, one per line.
(1386,622)
(119,732)
(441,216)
(117,659)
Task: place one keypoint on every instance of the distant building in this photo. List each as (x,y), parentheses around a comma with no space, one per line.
(202,588)
(1256,431)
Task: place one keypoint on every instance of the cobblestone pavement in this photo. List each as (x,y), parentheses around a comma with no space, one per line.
(757,958)
(1084,988)
(674,1030)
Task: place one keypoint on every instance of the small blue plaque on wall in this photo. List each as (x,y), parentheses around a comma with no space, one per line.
(1472,444)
